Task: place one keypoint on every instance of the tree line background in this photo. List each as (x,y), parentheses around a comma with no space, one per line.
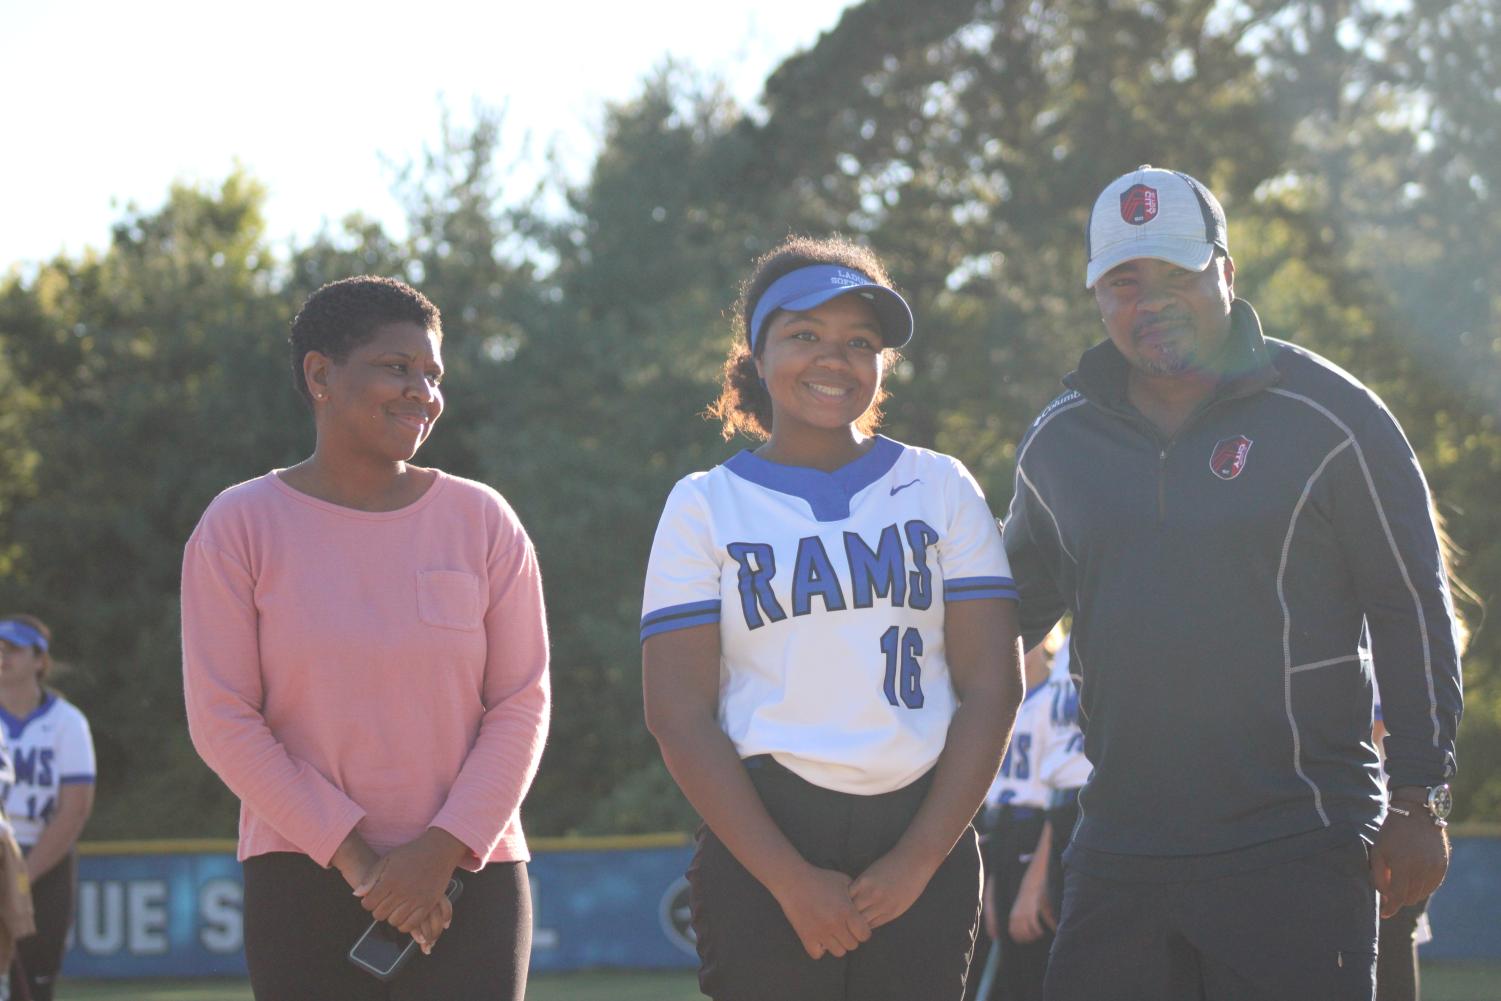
(1356,146)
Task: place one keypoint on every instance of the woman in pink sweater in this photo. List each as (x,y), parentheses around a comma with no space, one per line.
(365,666)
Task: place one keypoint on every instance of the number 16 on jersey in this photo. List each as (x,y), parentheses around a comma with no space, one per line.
(903,669)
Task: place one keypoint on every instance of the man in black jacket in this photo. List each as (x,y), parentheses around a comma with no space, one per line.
(1224,515)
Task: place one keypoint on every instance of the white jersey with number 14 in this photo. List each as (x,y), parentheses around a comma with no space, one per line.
(49,749)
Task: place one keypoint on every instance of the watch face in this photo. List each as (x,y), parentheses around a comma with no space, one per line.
(1440,801)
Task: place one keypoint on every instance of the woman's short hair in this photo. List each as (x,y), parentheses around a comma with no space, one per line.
(342,315)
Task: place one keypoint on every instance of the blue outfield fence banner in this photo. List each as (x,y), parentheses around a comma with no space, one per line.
(157,914)
(1466,910)
(172,909)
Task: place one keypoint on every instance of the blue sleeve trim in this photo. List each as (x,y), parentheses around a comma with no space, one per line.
(674,617)
(972,588)
(69,780)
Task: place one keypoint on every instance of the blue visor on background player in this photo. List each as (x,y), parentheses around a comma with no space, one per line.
(20,634)
(811,287)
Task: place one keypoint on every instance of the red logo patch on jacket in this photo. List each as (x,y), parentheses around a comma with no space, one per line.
(1229,456)
(1139,204)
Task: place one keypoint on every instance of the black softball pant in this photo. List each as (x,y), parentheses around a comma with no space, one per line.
(1397,977)
(301,919)
(1022,964)
(747,948)
(41,955)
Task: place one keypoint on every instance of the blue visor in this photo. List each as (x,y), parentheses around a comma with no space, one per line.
(20,634)
(811,287)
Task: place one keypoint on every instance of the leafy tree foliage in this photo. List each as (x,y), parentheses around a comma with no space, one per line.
(156,387)
(1354,144)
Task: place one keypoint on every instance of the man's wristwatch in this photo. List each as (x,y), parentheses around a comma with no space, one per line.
(1438,804)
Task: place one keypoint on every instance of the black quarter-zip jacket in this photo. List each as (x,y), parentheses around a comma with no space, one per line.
(1218,583)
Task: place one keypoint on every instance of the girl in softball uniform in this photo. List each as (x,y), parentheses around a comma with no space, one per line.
(1061,769)
(830,659)
(50,796)
(1014,816)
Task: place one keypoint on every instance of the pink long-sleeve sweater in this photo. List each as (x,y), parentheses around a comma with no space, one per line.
(385,671)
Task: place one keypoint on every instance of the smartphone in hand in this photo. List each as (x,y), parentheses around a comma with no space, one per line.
(382,950)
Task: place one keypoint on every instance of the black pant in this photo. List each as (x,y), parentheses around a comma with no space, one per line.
(749,950)
(41,955)
(301,919)
(1397,976)
(1022,964)
(1303,930)
(1063,815)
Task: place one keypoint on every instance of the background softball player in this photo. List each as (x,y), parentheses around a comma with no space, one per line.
(1014,816)
(52,793)
(829,659)
(1062,769)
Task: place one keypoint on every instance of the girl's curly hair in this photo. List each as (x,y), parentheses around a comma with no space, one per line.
(744,405)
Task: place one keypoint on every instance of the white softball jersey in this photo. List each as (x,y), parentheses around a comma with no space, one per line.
(1060,743)
(49,749)
(1019,782)
(829,591)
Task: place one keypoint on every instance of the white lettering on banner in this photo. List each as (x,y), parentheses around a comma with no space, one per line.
(115,916)
(101,916)
(222,926)
(146,928)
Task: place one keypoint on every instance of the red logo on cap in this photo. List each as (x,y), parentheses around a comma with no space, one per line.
(1229,456)
(1139,204)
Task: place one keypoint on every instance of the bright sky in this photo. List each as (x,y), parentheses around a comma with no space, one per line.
(107,102)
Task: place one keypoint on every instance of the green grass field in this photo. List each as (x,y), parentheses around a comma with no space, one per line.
(594,986)
(1441,982)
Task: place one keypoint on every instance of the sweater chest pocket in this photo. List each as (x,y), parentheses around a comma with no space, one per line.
(448,599)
